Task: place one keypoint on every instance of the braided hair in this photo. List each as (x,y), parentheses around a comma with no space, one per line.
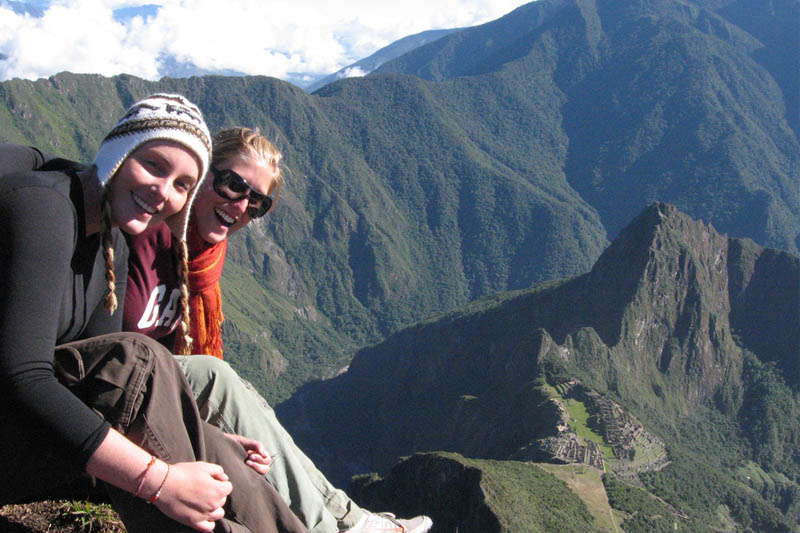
(206,313)
(182,259)
(156,117)
(110,301)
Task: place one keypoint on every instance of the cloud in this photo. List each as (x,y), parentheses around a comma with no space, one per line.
(82,37)
(280,38)
(352,72)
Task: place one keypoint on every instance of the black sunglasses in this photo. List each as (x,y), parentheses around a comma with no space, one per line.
(226,181)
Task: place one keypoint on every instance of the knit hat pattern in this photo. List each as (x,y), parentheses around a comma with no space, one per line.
(159,116)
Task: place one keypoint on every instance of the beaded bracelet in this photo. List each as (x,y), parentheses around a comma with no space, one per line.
(144,475)
(158,492)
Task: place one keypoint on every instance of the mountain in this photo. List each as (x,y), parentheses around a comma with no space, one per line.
(364,239)
(523,147)
(474,183)
(485,496)
(685,102)
(464,495)
(659,335)
(387,53)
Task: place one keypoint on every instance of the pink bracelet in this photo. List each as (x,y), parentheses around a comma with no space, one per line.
(144,475)
(158,492)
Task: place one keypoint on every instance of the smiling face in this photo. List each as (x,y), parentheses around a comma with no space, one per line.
(152,184)
(215,218)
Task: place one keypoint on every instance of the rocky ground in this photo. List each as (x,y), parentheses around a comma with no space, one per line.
(59,516)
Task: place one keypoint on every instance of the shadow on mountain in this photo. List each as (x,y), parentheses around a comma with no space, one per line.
(658,328)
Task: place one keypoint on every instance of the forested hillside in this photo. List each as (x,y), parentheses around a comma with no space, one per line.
(644,367)
(445,228)
(694,103)
(494,158)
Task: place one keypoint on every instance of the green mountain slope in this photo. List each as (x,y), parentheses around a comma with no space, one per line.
(471,495)
(650,326)
(495,159)
(694,103)
(507,159)
(364,239)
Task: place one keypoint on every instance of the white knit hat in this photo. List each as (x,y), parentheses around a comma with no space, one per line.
(159,116)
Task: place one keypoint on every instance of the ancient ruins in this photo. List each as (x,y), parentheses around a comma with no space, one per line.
(635,450)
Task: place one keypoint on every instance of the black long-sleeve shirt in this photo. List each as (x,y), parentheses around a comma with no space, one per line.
(52,283)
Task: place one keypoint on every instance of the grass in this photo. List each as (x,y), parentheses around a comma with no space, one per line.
(60,516)
(587,483)
(91,517)
(579,420)
(580,424)
(525,497)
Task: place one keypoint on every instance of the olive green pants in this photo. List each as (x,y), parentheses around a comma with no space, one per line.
(232,404)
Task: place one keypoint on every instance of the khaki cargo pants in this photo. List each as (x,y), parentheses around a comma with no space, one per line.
(135,384)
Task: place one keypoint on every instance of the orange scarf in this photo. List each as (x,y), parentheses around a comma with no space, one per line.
(205,298)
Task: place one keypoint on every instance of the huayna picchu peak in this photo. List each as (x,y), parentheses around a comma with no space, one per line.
(625,368)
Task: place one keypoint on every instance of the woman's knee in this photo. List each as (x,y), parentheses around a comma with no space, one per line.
(214,383)
(205,368)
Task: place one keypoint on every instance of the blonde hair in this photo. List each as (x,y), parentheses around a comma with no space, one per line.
(245,142)
(164,117)
(227,144)
(182,259)
(110,301)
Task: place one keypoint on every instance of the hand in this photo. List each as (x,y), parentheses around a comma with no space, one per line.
(194,493)
(191,493)
(257,456)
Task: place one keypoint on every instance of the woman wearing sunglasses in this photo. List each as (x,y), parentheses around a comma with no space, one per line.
(243,184)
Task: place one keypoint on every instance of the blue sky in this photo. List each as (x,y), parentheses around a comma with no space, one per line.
(281,38)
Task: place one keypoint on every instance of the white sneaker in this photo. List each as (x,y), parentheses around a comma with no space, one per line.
(388,523)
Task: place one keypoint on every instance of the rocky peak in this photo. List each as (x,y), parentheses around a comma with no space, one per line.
(648,326)
(664,283)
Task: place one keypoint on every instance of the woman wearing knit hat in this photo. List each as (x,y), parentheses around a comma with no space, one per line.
(63,270)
